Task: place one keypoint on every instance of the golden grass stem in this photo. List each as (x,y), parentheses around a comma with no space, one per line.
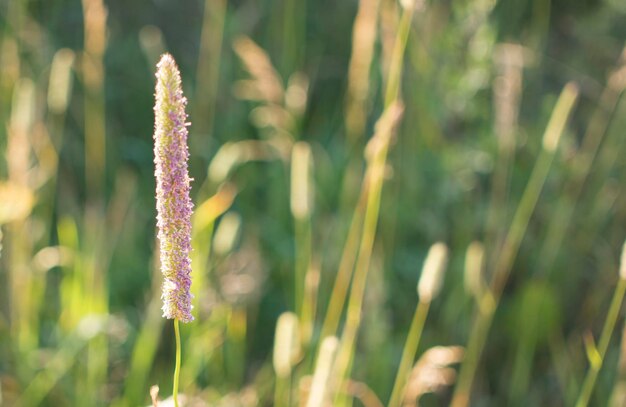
(394,79)
(303,261)
(512,242)
(507,89)
(301,203)
(95,16)
(374,178)
(408,353)
(363,40)
(344,272)
(309,302)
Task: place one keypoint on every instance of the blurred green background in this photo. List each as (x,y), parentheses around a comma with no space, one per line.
(271,83)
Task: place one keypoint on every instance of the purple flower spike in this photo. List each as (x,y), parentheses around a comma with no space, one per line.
(174,206)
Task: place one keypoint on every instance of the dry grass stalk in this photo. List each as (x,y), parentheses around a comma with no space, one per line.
(432,372)
(432,275)
(363,38)
(428,287)
(507,88)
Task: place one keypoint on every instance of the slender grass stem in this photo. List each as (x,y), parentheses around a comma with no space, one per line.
(355,303)
(303,258)
(177,368)
(512,242)
(207,72)
(282,394)
(581,169)
(394,79)
(605,338)
(409,351)
(366,215)
(374,184)
(344,273)
(474,348)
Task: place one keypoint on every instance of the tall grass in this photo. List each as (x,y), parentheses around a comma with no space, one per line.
(331,144)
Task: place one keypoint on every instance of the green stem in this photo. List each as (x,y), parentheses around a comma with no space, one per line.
(605,338)
(510,248)
(303,258)
(409,351)
(581,169)
(392,90)
(344,272)
(282,393)
(375,180)
(177,368)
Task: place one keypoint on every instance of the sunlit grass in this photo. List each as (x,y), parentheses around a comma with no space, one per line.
(331,145)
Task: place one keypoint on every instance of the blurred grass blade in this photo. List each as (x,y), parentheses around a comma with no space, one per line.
(509,251)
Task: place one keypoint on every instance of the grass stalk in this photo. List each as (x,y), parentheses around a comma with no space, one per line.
(409,351)
(92,70)
(282,391)
(348,259)
(581,168)
(207,72)
(363,39)
(507,89)
(303,261)
(605,337)
(344,273)
(177,365)
(374,179)
(512,242)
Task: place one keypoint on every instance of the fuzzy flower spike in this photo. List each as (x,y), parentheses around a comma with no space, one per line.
(174,205)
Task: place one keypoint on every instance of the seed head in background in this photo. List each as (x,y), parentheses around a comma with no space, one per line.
(174,205)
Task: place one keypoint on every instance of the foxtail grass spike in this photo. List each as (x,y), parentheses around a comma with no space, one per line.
(286,343)
(321,385)
(174,205)
(432,273)
(474,263)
